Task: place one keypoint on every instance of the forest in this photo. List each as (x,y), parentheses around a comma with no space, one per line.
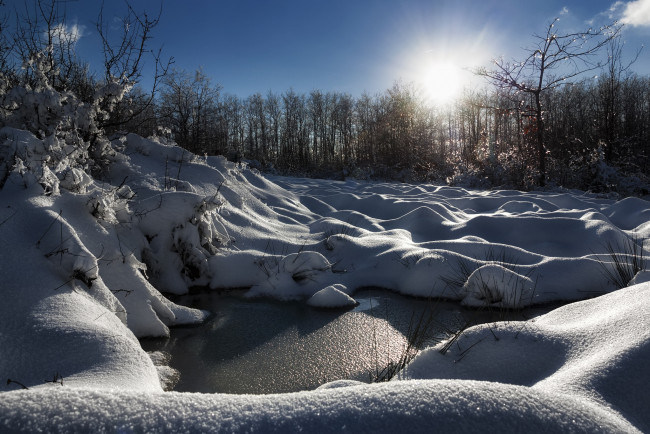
(596,132)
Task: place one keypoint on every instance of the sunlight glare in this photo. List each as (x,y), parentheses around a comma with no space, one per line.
(441,81)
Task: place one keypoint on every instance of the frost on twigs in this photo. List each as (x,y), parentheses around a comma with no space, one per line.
(68,129)
(184,232)
(111,205)
(75,180)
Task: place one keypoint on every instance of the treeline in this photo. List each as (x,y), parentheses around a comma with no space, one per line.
(597,132)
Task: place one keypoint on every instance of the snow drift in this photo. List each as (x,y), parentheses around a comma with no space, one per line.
(84,262)
(577,369)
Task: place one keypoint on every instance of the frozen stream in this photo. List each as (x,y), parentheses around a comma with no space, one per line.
(266,346)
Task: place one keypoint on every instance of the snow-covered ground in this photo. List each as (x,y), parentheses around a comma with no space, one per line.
(83,268)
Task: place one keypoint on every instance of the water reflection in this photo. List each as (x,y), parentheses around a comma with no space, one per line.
(265,346)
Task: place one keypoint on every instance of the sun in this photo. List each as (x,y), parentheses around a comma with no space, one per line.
(441,81)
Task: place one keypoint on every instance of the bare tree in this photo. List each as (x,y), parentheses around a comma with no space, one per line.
(553,61)
(41,30)
(274,115)
(5,43)
(610,94)
(124,56)
(188,103)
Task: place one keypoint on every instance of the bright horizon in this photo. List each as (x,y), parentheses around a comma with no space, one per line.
(354,47)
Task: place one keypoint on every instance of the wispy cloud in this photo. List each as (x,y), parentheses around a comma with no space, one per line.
(564,11)
(69,34)
(636,13)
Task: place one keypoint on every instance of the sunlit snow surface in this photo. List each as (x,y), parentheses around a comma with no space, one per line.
(73,269)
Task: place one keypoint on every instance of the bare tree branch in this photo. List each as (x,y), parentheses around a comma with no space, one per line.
(124,57)
(553,61)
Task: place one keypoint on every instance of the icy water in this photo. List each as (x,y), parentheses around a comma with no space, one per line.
(265,346)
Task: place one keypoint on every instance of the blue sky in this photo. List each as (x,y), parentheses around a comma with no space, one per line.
(347,45)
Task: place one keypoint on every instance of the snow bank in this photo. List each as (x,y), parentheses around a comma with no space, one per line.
(576,369)
(414,406)
(497,248)
(58,317)
(207,221)
(595,351)
(84,263)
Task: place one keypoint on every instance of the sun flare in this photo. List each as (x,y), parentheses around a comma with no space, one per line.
(441,81)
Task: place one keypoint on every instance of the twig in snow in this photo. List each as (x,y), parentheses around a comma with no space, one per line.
(9,381)
(178,175)
(5,220)
(464,353)
(111,311)
(76,276)
(48,228)
(57,379)
(126,291)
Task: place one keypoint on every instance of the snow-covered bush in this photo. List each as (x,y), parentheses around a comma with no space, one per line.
(70,128)
(111,206)
(588,169)
(52,144)
(183,232)
(498,286)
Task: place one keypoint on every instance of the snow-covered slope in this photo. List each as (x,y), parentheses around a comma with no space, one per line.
(83,263)
(581,368)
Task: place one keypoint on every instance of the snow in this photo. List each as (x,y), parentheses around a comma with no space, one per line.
(592,350)
(85,263)
(332,296)
(415,406)
(496,285)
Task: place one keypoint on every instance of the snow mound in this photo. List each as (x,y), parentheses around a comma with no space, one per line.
(296,275)
(594,351)
(85,263)
(422,406)
(332,296)
(497,286)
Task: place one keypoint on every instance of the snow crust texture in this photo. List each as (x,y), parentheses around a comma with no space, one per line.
(414,406)
(85,263)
